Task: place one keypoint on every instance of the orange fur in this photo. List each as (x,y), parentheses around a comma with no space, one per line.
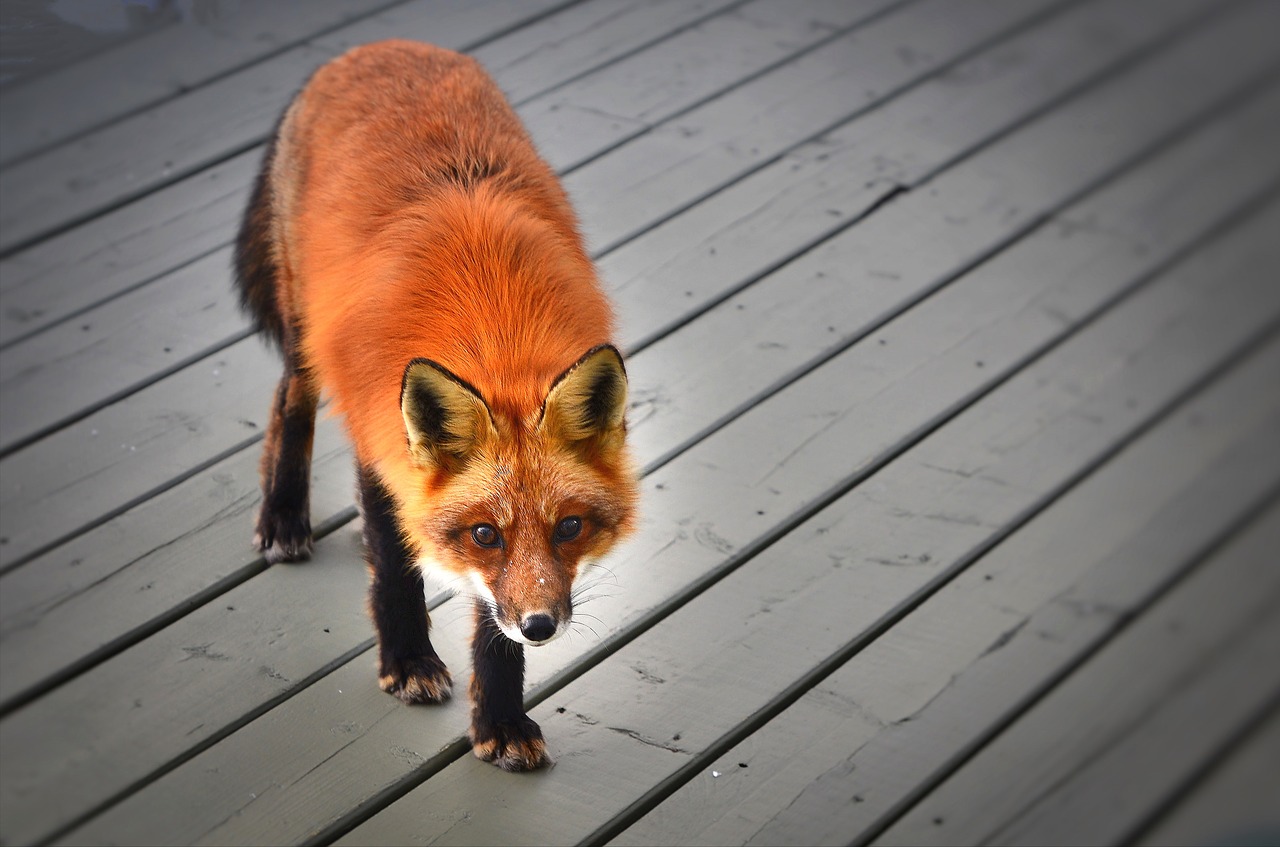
(414,218)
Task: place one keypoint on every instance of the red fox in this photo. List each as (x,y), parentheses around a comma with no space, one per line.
(417,261)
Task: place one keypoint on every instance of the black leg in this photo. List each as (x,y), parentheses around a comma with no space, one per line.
(408,666)
(501,732)
(284,522)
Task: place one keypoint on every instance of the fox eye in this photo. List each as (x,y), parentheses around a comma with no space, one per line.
(568,528)
(486,535)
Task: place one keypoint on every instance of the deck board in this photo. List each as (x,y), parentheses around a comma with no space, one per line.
(106,86)
(1200,652)
(949,282)
(1235,799)
(903,709)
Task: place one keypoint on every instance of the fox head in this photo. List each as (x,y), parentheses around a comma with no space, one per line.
(520,506)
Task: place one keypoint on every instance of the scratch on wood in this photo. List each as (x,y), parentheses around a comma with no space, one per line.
(707,537)
(1005,637)
(661,745)
(202,651)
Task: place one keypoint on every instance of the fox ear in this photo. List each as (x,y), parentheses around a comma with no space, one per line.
(445,418)
(587,404)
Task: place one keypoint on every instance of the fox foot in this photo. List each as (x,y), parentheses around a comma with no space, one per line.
(511,745)
(416,679)
(283,536)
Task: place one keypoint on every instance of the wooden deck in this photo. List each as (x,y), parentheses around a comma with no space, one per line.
(954,337)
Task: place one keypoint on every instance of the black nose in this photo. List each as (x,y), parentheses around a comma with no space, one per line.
(538,627)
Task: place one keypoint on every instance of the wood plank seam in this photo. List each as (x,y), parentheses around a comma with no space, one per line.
(1234,745)
(204,744)
(101,403)
(700,760)
(92,659)
(1195,560)
(81,311)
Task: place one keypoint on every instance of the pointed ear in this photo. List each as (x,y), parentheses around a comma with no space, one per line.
(587,404)
(445,418)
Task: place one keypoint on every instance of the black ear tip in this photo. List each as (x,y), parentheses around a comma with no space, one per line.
(602,349)
(415,366)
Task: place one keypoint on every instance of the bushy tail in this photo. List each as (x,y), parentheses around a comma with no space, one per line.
(256,263)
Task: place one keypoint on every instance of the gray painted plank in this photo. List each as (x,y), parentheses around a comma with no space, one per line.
(544,54)
(866,274)
(1234,803)
(918,133)
(1206,655)
(82,364)
(1179,730)
(829,768)
(718,661)
(728,491)
(86,176)
(779,212)
(155,561)
(1212,173)
(169,227)
(121,720)
(123,160)
(114,252)
(605,109)
(706,148)
(159,66)
(128,450)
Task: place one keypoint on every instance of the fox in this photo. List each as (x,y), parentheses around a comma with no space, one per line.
(419,265)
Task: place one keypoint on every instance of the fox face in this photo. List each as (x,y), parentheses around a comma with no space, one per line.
(521,507)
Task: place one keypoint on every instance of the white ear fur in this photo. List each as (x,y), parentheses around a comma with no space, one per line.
(586,406)
(445,419)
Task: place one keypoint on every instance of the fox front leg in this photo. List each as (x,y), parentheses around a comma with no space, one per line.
(500,731)
(408,665)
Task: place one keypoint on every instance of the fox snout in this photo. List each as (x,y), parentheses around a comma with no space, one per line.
(533,628)
(539,628)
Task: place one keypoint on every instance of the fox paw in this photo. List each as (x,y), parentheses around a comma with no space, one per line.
(511,745)
(283,537)
(416,679)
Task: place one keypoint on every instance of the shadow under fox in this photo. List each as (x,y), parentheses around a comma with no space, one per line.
(415,259)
